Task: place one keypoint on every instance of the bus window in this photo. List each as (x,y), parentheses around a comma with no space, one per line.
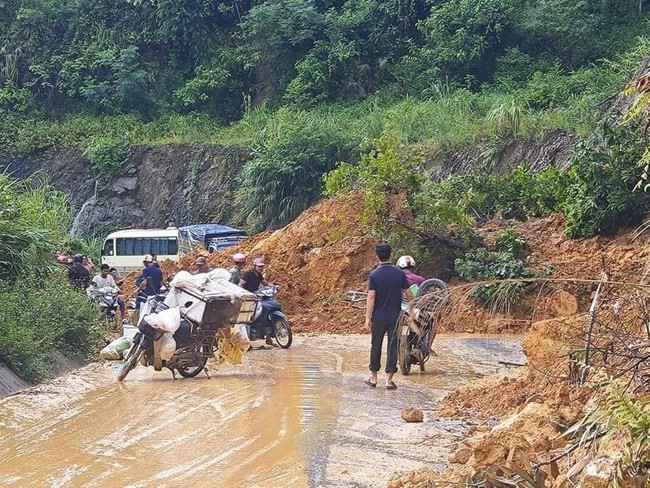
(125,247)
(172,247)
(155,247)
(107,250)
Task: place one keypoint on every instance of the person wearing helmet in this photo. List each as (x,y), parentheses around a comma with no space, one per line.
(105,280)
(78,275)
(252,279)
(406,264)
(239,261)
(150,282)
(202,266)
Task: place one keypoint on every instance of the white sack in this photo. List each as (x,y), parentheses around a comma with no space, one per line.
(167,320)
(218,274)
(240,338)
(184,279)
(167,346)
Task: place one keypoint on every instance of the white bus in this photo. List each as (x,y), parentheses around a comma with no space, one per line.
(125,250)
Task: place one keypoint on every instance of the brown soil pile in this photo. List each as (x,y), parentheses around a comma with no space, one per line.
(552,255)
(323,254)
(315,260)
(525,412)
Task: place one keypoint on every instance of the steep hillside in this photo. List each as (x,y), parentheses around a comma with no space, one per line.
(172,184)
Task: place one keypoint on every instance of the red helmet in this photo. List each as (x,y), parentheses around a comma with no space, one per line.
(239,258)
(259,262)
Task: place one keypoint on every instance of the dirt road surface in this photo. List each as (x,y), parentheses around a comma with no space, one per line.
(300,418)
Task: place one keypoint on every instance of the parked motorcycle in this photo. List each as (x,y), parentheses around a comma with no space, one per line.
(270,321)
(195,342)
(105,299)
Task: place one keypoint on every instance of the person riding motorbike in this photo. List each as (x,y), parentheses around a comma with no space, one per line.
(78,275)
(252,279)
(407,264)
(105,280)
(239,261)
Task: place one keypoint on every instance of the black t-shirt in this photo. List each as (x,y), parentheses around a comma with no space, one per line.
(79,276)
(252,279)
(388,281)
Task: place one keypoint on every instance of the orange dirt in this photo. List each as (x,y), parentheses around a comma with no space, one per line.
(324,253)
(315,259)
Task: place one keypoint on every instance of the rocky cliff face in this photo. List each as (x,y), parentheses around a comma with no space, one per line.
(158,186)
(178,184)
(555,149)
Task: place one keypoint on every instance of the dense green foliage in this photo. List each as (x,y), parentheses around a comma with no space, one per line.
(305,83)
(43,315)
(39,312)
(598,194)
(33,219)
(148,57)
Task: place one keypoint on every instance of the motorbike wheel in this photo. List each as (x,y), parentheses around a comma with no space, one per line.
(191,372)
(283,334)
(404,355)
(130,363)
(436,286)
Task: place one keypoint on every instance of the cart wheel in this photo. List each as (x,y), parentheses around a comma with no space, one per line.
(404,355)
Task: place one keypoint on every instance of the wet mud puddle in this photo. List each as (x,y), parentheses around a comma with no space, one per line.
(296,418)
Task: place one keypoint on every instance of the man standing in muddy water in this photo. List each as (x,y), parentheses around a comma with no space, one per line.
(385,286)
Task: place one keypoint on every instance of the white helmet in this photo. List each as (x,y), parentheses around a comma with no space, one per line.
(148,258)
(405,262)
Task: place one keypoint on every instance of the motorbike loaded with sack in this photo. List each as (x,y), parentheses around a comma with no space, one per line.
(269,320)
(181,339)
(200,317)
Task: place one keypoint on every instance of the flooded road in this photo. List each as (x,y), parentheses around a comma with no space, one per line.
(297,418)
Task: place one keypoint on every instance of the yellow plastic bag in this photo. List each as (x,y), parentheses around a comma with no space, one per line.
(231,346)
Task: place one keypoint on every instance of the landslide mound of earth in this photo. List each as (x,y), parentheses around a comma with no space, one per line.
(325,252)
(315,260)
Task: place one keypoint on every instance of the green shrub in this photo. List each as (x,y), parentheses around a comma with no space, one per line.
(107,154)
(42,315)
(602,196)
(510,241)
(493,265)
(388,168)
(33,221)
(285,175)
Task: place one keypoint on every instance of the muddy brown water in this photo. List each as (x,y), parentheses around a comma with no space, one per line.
(296,418)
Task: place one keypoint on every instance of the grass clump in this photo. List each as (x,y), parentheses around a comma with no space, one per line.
(40,313)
